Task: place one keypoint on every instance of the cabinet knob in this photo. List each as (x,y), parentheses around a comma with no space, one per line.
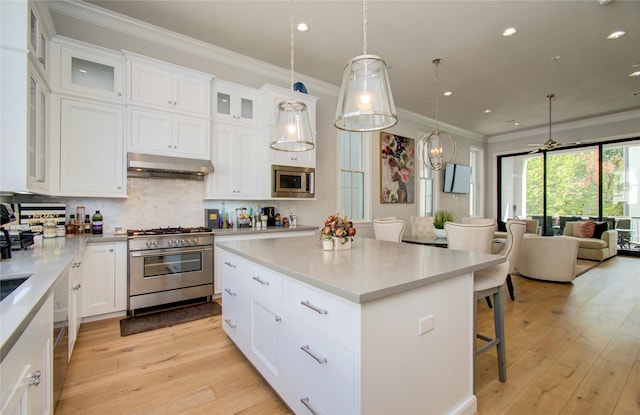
(110,249)
(35,378)
(119,94)
(77,287)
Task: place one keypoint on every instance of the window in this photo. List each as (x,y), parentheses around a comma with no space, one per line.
(477,178)
(355,181)
(425,184)
(597,181)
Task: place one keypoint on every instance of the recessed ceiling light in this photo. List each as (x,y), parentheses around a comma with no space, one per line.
(510,31)
(487,111)
(83,71)
(515,124)
(448,93)
(617,34)
(302,27)
(556,58)
(634,74)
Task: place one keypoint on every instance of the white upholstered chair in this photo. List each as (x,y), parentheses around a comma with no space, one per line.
(515,233)
(388,229)
(477,220)
(422,226)
(470,237)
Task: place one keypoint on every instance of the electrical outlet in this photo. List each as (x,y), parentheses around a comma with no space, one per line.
(425,324)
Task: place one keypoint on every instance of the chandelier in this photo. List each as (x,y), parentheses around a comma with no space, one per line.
(293,130)
(433,155)
(365,102)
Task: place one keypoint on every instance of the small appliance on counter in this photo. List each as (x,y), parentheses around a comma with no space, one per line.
(6,216)
(270,213)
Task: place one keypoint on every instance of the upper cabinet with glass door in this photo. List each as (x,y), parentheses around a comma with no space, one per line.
(235,103)
(38,41)
(88,71)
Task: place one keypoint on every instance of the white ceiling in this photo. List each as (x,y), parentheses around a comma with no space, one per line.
(485,70)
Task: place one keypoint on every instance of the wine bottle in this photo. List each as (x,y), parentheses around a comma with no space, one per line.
(96,225)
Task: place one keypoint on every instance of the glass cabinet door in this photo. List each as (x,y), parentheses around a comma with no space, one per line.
(92,73)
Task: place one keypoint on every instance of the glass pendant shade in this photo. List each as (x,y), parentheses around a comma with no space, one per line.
(365,102)
(293,131)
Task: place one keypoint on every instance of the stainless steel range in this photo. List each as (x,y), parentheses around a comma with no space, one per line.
(168,265)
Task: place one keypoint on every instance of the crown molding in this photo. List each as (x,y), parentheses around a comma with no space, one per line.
(430,122)
(567,126)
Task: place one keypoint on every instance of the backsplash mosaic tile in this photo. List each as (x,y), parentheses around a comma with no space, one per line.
(158,203)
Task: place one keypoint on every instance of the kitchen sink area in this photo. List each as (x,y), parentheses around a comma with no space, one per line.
(10,283)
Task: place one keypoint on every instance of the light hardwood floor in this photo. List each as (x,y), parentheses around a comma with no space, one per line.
(571,349)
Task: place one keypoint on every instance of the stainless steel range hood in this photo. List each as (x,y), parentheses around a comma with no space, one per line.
(149,165)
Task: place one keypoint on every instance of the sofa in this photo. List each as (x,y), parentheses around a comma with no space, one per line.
(532,229)
(597,249)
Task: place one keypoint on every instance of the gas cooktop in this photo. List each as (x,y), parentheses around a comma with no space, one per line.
(167,231)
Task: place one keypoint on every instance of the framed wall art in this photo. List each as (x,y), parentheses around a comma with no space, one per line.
(397,156)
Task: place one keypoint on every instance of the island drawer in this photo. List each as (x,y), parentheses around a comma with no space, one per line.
(308,396)
(264,282)
(231,265)
(329,362)
(331,315)
(234,304)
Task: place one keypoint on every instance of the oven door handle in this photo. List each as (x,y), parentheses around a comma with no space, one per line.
(169,251)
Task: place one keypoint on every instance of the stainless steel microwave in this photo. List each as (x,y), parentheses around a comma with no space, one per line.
(290,181)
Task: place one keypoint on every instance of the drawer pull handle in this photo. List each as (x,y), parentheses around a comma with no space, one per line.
(228,321)
(229,264)
(77,287)
(35,378)
(261,281)
(313,307)
(310,353)
(278,319)
(231,293)
(305,402)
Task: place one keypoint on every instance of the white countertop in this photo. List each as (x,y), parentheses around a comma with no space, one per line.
(248,231)
(44,261)
(372,269)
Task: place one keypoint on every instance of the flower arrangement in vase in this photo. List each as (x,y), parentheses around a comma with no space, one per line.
(337,232)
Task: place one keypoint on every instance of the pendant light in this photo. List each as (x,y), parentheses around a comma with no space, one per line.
(433,155)
(293,130)
(365,102)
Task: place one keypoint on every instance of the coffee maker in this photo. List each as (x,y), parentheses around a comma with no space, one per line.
(6,216)
(270,211)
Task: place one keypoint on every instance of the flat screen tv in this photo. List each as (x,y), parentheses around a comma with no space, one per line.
(457,178)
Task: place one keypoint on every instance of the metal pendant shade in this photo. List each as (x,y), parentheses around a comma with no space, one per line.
(433,154)
(293,129)
(365,102)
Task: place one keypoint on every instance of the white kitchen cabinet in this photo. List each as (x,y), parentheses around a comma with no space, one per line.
(271,96)
(165,133)
(38,42)
(235,298)
(236,156)
(75,301)
(168,86)
(235,103)
(87,70)
(91,149)
(26,381)
(38,177)
(104,280)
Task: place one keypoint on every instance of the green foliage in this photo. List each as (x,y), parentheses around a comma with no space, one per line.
(441,217)
(572,183)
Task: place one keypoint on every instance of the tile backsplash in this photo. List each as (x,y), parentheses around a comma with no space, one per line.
(157,203)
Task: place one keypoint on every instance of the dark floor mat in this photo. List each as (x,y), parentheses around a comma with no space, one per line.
(168,318)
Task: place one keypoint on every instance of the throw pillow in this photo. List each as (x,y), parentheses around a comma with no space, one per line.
(584,229)
(601,227)
(502,226)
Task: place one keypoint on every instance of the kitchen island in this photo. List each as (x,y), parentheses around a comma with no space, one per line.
(382,328)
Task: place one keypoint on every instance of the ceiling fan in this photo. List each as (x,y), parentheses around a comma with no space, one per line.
(550,144)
